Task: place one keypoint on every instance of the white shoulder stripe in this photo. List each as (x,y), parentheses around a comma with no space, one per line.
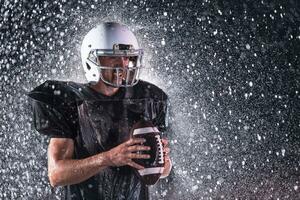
(145,130)
(153,170)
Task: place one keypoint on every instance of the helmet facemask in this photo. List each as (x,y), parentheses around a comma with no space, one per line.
(116,75)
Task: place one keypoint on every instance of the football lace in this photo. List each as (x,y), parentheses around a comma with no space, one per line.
(160,150)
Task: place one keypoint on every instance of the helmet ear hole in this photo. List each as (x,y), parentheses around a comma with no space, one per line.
(88,66)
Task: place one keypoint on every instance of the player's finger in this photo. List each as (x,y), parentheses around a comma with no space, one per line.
(164,141)
(167,150)
(138,156)
(167,158)
(133,141)
(135,165)
(138,148)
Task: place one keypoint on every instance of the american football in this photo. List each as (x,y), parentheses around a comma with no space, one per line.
(155,165)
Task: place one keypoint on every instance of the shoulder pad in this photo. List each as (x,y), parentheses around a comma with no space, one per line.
(151,90)
(54,93)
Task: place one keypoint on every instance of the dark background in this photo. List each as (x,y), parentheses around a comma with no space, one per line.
(230,68)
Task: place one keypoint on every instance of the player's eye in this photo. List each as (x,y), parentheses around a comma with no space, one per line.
(133,58)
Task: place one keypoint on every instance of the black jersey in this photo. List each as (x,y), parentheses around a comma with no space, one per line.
(98,123)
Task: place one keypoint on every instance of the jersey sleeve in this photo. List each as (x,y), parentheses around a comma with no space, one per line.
(161,119)
(52,115)
(160,105)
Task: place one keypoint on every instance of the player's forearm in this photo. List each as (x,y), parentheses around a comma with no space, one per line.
(71,171)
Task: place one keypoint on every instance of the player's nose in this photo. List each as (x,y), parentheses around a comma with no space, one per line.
(123,61)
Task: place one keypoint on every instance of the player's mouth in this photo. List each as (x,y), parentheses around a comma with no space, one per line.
(117,79)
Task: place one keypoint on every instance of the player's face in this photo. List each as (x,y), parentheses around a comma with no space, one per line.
(113,62)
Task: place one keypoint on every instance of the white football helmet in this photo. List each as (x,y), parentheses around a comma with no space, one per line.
(111,39)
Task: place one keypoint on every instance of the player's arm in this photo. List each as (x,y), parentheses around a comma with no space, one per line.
(63,170)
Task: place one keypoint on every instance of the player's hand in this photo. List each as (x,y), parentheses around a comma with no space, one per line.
(167,160)
(166,149)
(124,153)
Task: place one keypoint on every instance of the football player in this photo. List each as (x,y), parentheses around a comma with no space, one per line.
(90,152)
